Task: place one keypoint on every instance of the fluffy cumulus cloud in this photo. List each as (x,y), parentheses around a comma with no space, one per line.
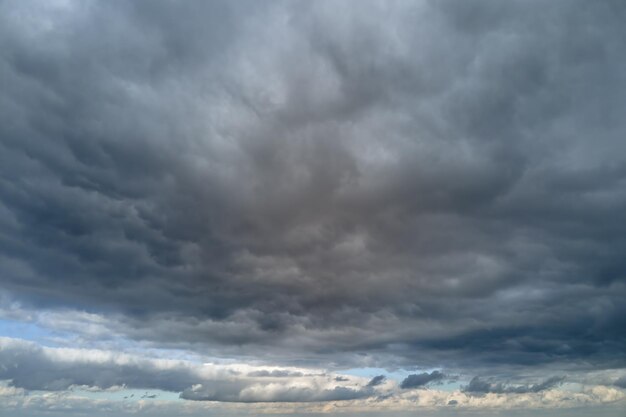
(407,185)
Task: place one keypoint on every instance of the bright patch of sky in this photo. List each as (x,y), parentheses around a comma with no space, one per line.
(128,395)
(27,331)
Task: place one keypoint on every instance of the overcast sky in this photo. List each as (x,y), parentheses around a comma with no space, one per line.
(312,207)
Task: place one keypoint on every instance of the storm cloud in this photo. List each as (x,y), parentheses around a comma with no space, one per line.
(400,184)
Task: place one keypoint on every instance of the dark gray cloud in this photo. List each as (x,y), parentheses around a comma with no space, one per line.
(398,184)
(377,380)
(420,380)
(481,386)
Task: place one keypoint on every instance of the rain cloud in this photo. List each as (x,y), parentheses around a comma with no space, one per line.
(315,185)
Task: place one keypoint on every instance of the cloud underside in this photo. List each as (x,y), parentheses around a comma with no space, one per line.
(402,184)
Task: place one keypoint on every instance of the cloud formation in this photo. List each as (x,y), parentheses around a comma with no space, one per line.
(419,380)
(377,380)
(69,379)
(480,386)
(401,185)
(32,367)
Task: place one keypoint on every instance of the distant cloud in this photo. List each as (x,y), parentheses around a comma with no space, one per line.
(420,380)
(480,386)
(377,380)
(272,393)
(32,367)
(276,373)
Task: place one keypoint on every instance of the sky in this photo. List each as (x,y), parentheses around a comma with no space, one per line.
(312,208)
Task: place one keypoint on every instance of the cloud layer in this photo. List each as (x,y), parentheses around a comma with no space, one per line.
(402,184)
(479,386)
(68,379)
(32,367)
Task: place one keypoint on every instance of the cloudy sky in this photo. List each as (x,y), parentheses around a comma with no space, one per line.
(381,208)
